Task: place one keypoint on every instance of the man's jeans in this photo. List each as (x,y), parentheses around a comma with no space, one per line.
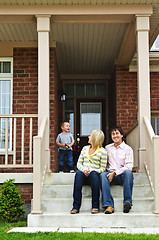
(125,179)
(80,180)
(61,158)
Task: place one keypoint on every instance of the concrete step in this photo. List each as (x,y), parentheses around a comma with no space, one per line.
(65,204)
(88,220)
(66,191)
(68,178)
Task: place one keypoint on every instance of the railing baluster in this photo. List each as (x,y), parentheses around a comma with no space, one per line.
(31,134)
(22,146)
(6,142)
(14,141)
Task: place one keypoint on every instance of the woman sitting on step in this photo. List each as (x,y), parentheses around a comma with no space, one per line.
(92,161)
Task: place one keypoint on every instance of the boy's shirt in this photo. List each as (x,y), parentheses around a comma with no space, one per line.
(65,138)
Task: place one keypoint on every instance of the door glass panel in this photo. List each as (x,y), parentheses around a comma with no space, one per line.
(90,90)
(90,117)
(100,90)
(69,90)
(69,113)
(80,90)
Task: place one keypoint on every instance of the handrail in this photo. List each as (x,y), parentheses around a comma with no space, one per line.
(18,115)
(151,160)
(149,128)
(41,159)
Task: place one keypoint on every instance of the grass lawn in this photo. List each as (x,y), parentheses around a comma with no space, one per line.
(67,236)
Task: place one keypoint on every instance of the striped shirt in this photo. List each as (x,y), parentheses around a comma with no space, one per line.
(95,162)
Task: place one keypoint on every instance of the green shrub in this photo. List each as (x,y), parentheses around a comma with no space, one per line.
(10,202)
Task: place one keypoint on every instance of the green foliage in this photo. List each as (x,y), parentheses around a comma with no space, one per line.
(10,202)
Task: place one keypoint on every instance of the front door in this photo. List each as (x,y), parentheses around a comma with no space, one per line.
(90,115)
(86,109)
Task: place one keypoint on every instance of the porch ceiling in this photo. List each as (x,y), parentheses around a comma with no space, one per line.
(85,44)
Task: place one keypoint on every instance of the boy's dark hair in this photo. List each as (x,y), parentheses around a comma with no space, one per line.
(62,123)
(117,128)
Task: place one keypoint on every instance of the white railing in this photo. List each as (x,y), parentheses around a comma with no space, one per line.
(41,158)
(152,160)
(16,136)
(132,140)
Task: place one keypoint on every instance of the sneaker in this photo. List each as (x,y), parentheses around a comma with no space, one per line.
(72,171)
(109,210)
(61,172)
(126,207)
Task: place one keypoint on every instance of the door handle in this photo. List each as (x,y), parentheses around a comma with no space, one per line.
(78,139)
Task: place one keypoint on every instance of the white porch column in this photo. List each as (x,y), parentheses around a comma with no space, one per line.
(143,78)
(43,29)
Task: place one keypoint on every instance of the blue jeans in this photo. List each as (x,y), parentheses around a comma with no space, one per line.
(80,180)
(125,179)
(61,159)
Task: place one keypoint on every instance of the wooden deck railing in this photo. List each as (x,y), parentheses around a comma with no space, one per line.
(20,136)
(151,156)
(41,164)
(152,160)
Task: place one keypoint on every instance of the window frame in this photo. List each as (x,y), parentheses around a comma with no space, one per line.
(155,115)
(8,77)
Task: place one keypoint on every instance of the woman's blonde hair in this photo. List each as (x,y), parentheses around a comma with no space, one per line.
(97,138)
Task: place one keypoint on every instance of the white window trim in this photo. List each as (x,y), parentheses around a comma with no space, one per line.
(8,76)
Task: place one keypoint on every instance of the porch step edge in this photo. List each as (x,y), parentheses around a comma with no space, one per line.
(136,220)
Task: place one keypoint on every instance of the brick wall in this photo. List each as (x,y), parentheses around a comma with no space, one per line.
(154,88)
(25,101)
(126,96)
(25,83)
(26,98)
(26,191)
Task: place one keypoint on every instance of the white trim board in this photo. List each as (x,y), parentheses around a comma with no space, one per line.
(19,177)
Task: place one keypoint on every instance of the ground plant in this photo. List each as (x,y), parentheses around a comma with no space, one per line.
(11,208)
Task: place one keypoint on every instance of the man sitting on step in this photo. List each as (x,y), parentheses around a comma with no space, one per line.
(118,171)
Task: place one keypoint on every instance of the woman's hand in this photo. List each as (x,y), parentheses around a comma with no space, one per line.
(86,173)
(111,176)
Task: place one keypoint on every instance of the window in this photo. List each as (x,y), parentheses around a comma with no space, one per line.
(93,90)
(6,79)
(155,46)
(155,122)
(91,117)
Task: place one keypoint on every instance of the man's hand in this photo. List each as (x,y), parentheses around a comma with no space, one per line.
(111,176)
(86,173)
